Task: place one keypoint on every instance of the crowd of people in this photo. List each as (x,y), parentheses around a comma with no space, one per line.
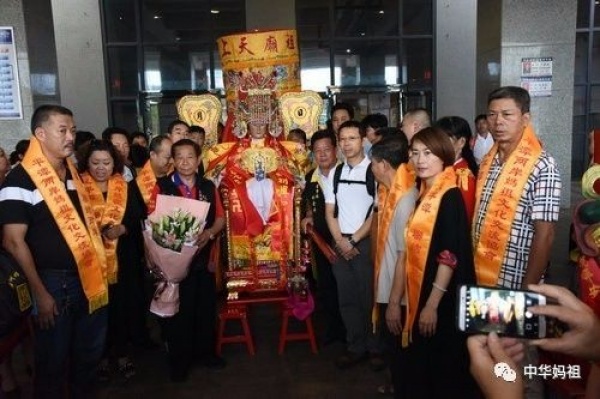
(412,212)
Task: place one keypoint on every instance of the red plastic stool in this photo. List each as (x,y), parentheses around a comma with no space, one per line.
(234,312)
(284,336)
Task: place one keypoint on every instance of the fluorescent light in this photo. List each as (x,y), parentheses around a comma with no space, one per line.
(381,12)
(214,11)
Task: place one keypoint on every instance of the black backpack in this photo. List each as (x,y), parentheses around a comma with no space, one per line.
(15,299)
(369,182)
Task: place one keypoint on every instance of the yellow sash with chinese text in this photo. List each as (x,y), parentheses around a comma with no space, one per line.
(146,180)
(108,212)
(85,243)
(404,180)
(499,216)
(419,233)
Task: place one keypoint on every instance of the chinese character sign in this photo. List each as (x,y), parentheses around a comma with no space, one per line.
(259,62)
(10,95)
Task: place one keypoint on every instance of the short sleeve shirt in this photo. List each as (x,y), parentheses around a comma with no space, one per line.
(395,243)
(22,203)
(353,199)
(540,201)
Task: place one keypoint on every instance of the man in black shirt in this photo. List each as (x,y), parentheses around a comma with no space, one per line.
(52,243)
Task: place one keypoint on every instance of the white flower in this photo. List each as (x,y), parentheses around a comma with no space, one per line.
(175,230)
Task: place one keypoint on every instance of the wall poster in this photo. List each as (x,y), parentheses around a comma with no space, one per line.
(536,76)
(10,94)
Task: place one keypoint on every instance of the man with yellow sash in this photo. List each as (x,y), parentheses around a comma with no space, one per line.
(517,202)
(396,196)
(518,197)
(49,227)
(159,164)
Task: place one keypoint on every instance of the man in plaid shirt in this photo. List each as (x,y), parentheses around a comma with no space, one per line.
(532,230)
(518,198)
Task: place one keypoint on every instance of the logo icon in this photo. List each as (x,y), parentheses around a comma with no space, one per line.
(503,370)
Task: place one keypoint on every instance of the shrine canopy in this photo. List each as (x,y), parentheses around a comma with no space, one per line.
(258,67)
(270,54)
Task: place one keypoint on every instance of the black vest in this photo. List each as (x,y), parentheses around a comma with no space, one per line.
(206,192)
(313,199)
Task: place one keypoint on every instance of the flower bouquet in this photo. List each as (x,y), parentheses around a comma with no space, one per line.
(169,238)
(174,230)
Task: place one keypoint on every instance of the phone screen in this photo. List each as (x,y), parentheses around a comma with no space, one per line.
(486,309)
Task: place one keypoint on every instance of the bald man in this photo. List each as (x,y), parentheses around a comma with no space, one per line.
(415,120)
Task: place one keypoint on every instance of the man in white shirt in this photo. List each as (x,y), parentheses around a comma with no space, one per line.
(348,211)
(483,140)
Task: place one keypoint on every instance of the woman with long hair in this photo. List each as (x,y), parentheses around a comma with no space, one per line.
(433,359)
(465,166)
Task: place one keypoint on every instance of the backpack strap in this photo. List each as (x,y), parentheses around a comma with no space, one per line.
(336,182)
(371,188)
(369,184)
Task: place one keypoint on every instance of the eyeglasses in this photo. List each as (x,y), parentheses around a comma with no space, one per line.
(349,138)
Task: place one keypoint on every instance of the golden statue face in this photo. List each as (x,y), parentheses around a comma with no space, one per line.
(257,131)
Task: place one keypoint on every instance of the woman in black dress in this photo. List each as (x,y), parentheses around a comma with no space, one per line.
(119,209)
(433,359)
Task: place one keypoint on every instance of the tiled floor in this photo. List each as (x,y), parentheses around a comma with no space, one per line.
(296,374)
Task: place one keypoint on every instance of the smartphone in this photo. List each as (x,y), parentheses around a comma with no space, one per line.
(504,311)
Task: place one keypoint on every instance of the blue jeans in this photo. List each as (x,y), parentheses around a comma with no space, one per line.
(67,355)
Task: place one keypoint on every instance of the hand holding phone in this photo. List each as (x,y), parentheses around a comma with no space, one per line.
(581,337)
(503,311)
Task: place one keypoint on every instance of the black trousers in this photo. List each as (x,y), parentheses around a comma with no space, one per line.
(327,295)
(433,367)
(127,310)
(191,333)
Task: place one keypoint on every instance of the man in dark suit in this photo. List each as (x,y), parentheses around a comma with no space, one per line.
(323,146)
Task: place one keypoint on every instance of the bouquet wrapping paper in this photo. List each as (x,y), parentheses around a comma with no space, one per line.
(169,238)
